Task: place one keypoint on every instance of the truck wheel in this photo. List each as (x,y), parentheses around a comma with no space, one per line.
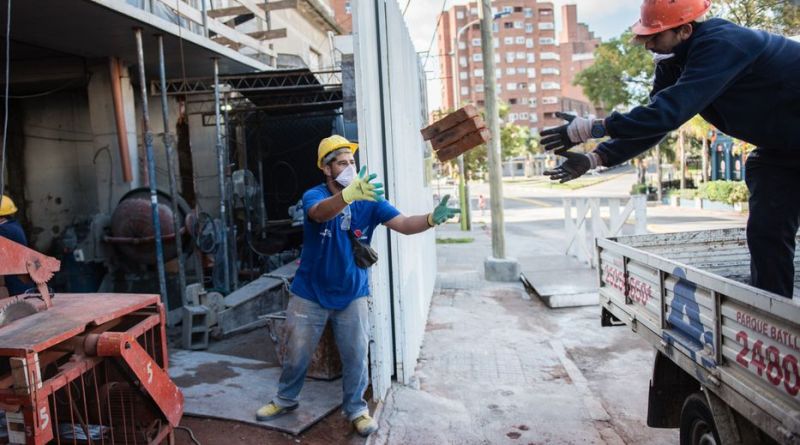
(697,422)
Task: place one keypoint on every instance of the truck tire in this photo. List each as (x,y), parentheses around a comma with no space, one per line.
(697,422)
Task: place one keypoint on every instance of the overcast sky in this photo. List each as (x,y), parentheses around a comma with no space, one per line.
(607,18)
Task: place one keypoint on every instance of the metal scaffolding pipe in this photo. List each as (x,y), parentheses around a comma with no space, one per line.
(119,119)
(223,213)
(151,171)
(171,168)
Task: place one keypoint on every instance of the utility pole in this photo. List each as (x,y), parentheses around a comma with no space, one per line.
(496,267)
(463,185)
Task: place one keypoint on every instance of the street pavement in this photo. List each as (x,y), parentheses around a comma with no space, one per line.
(499,367)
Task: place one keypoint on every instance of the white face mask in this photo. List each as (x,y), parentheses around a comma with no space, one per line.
(346,176)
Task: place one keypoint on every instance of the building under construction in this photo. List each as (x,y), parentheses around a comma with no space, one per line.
(161,147)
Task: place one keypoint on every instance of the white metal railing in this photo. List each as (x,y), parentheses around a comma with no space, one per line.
(585,221)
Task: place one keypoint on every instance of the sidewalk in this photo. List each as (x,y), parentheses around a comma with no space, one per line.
(497,367)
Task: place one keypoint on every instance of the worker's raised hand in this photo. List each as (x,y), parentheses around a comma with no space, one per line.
(442,213)
(363,189)
(575,131)
(575,166)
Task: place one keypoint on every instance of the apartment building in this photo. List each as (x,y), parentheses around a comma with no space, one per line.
(343,12)
(534,68)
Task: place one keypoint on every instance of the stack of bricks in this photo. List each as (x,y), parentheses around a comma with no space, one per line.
(456,133)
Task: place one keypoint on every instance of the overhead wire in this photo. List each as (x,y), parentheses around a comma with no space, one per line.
(433,37)
(5,101)
(406,8)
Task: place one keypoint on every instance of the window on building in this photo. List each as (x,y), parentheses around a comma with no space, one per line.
(529,28)
(481,103)
(532,102)
(519,24)
(549,56)
(479,88)
(519,40)
(465,91)
(459,15)
(547,41)
(551,71)
(476,27)
(531,73)
(531,87)
(520,55)
(462,61)
(549,100)
(511,86)
(511,71)
(462,45)
(476,42)
(517,8)
(495,27)
(534,117)
(477,72)
(510,57)
(496,56)
(547,25)
(551,86)
(495,43)
(530,57)
(498,73)
(528,43)
(347,8)
(528,12)
(508,40)
(512,101)
(523,116)
(523,100)
(513,117)
(473,11)
(522,85)
(462,75)
(508,9)
(508,25)
(477,57)
(545,12)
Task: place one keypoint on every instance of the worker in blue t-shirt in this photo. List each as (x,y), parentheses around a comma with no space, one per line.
(329,285)
(11,229)
(744,82)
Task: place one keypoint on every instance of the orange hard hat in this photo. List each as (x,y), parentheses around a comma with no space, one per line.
(660,15)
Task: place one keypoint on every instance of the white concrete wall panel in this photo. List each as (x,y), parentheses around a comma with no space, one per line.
(389,119)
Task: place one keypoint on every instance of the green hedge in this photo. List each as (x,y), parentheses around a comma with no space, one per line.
(729,192)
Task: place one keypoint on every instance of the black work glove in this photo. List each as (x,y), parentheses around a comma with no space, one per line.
(575,166)
(576,130)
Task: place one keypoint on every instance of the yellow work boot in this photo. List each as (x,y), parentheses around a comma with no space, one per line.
(365,425)
(271,411)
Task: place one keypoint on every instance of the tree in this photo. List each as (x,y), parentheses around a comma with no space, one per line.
(777,16)
(620,75)
(699,129)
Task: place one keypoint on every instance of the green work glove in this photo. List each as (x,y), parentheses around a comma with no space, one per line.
(361,189)
(442,213)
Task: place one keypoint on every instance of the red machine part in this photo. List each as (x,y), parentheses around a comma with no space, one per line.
(16,259)
(152,379)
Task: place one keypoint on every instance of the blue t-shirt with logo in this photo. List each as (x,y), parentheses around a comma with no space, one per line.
(328,274)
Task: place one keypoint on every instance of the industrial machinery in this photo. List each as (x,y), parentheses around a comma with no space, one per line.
(82,368)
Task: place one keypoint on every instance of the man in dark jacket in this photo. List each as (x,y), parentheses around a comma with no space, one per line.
(12,230)
(744,82)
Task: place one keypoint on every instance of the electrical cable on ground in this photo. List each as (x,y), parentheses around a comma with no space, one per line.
(5,101)
(433,37)
(191,434)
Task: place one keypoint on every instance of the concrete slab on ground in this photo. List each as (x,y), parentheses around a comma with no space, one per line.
(560,281)
(232,388)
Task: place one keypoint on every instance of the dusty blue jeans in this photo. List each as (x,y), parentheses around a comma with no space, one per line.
(305,321)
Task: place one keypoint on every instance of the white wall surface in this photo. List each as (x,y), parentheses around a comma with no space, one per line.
(390,115)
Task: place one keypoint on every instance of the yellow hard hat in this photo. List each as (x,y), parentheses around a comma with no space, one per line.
(331,144)
(7,206)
